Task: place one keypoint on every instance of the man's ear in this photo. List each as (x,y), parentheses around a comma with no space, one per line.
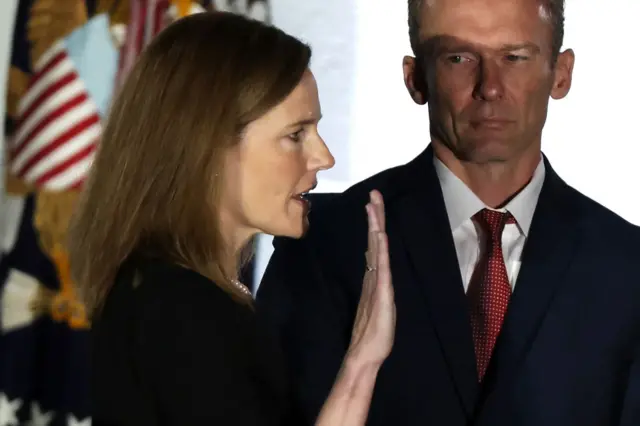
(414,80)
(563,74)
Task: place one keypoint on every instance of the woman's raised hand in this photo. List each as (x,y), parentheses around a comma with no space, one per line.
(374,328)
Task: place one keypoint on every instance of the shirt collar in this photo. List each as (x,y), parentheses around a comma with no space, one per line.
(462,203)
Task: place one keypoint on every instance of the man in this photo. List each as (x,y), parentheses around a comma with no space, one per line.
(518,298)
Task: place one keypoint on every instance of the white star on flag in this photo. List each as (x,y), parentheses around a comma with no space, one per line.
(16,299)
(39,418)
(72,421)
(8,410)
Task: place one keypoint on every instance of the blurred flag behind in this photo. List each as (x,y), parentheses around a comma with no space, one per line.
(62,71)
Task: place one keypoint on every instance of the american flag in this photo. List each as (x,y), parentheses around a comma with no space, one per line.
(146,20)
(45,360)
(58,125)
(149,17)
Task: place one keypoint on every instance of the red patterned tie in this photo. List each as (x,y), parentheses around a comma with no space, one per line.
(489,291)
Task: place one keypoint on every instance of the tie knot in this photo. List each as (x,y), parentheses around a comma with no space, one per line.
(494,221)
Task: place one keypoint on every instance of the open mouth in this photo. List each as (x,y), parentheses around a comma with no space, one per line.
(303,197)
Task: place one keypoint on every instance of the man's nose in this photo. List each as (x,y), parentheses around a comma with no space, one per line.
(489,85)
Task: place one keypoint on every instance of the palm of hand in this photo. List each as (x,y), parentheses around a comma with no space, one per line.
(374,329)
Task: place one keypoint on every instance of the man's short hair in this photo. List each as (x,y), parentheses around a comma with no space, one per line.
(555,9)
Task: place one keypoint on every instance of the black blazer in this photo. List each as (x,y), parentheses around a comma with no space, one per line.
(171,348)
(569,351)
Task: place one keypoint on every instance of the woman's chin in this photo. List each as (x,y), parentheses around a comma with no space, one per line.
(297,232)
(292,230)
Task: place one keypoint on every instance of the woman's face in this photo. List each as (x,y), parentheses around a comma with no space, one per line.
(273,165)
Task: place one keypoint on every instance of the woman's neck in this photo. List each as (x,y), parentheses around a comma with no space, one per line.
(235,239)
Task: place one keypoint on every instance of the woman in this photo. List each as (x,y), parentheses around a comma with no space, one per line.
(212,139)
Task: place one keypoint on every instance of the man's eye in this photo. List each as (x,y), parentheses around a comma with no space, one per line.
(516,58)
(457,59)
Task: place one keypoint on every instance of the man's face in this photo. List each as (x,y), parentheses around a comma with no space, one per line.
(487,71)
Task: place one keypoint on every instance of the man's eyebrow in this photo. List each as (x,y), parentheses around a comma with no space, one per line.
(444,44)
(521,46)
(441,44)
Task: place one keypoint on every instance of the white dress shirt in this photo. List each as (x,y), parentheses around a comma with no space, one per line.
(461,204)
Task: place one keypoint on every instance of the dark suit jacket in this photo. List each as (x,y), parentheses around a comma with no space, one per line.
(172,349)
(569,352)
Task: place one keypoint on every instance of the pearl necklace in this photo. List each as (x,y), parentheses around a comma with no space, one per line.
(243,288)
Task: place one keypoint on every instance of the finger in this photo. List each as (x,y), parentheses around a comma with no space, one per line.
(369,278)
(374,228)
(384,277)
(378,203)
(371,254)
(375,223)
(381,214)
(370,213)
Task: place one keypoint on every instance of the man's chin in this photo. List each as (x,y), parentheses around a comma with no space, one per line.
(486,150)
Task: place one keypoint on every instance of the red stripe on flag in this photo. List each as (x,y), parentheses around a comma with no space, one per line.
(48,119)
(140,34)
(46,94)
(78,185)
(132,41)
(48,66)
(160,9)
(51,146)
(146,21)
(60,168)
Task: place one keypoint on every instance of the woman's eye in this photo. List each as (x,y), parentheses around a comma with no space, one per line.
(296,136)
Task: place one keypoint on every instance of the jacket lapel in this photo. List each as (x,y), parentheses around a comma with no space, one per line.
(425,235)
(553,238)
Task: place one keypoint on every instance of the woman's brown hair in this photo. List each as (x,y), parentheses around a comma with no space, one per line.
(154,185)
